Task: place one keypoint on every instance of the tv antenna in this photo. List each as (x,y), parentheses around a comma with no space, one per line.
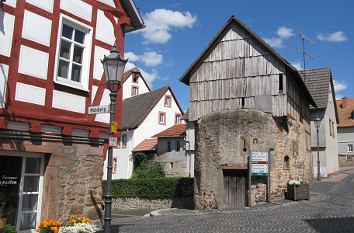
(304,38)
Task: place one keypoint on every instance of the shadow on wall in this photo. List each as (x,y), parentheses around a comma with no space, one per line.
(184,195)
(323,225)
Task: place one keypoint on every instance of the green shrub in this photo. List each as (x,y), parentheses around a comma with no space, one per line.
(153,188)
(148,170)
(8,229)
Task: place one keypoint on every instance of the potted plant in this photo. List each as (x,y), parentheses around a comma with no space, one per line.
(298,190)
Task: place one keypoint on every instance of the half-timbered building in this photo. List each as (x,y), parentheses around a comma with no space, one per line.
(51,149)
(244,98)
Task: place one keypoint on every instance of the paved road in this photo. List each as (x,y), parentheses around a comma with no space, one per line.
(331,209)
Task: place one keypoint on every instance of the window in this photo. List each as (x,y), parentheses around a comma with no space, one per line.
(162,118)
(124,140)
(330,127)
(243,102)
(333,129)
(114,166)
(286,163)
(350,147)
(177,118)
(280,82)
(178,145)
(73,56)
(135,90)
(352,115)
(169,146)
(168,100)
(135,78)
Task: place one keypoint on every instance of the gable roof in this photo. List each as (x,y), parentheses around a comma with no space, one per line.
(136,108)
(176,131)
(137,21)
(317,82)
(146,145)
(213,43)
(134,70)
(345,109)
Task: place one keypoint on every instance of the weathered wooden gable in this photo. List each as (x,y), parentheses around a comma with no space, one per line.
(238,72)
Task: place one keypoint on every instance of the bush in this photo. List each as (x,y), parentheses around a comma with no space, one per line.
(8,229)
(148,170)
(153,188)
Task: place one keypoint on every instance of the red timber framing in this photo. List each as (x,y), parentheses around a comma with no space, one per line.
(36,114)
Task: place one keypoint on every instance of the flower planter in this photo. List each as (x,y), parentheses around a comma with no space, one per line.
(298,192)
(2,222)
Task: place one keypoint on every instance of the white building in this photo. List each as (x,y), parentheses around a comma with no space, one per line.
(144,114)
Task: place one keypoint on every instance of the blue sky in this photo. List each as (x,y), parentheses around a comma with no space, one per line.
(178,31)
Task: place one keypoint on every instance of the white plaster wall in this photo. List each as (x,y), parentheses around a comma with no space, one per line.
(124,160)
(30,94)
(78,8)
(42,25)
(127,87)
(104,101)
(323,163)
(104,29)
(331,142)
(11,3)
(345,137)
(37,67)
(43,4)
(69,102)
(97,65)
(4,72)
(93,93)
(107,2)
(6,33)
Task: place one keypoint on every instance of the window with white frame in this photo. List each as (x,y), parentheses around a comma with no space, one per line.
(177,118)
(73,55)
(162,118)
(350,147)
(135,90)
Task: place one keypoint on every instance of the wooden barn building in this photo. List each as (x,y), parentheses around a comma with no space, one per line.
(246,99)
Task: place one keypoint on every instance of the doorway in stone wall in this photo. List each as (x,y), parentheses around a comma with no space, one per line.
(235,189)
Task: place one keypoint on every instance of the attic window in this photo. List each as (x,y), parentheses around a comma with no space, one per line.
(168,101)
(135,78)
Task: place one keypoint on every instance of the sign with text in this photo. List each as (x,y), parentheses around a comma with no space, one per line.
(260,163)
(98,109)
(113,141)
(114,127)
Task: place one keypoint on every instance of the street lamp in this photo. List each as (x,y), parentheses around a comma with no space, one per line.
(317,122)
(113,67)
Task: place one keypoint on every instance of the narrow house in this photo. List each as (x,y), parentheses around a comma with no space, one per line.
(245,99)
(51,149)
(320,84)
(345,130)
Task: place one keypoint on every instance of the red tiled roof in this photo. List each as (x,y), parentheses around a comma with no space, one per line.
(146,145)
(174,131)
(345,108)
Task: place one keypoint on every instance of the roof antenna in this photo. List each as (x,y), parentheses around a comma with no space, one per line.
(304,38)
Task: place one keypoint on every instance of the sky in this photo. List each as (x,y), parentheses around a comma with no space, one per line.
(177,32)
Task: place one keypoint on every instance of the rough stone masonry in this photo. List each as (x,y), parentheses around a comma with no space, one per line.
(225,138)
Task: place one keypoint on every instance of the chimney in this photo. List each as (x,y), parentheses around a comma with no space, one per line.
(344,102)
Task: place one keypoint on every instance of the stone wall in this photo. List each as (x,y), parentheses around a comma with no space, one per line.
(226,138)
(138,203)
(71,180)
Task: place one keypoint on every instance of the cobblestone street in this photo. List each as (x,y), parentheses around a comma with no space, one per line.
(331,209)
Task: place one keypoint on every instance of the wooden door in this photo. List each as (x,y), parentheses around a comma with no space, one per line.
(235,188)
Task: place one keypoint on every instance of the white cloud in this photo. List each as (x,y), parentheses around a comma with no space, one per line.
(285,32)
(338,36)
(160,22)
(339,86)
(297,65)
(275,42)
(149,59)
(148,76)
